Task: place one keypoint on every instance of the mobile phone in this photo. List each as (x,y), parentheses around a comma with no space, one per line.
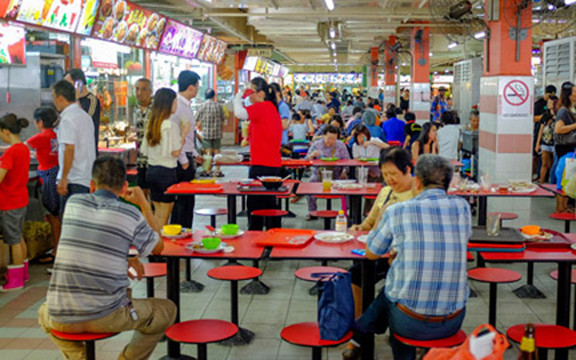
(79,86)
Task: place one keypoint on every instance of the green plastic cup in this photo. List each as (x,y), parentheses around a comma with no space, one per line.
(211,243)
(230,229)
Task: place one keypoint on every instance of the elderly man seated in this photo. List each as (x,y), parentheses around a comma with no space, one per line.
(426,290)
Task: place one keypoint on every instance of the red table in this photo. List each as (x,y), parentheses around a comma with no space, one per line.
(483,198)
(230,189)
(564,257)
(174,250)
(347,162)
(315,188)
(291,163)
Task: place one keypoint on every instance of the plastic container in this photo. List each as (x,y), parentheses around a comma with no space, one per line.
(530,229)
(211,243)
(230,229)
(172,229)
(341,222)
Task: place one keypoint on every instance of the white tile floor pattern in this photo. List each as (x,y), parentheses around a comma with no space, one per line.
(288,301)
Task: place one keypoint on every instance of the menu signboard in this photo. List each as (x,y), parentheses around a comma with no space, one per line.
(55,14)
(212,49)
(9,8)
(129,24)
(88,17)
(180,40)
(12,44)
(250,63)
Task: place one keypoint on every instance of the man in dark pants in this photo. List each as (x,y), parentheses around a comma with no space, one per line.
(188,84)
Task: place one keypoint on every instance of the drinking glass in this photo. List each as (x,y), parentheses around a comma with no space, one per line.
(326,180)
(362,175)
(493,225)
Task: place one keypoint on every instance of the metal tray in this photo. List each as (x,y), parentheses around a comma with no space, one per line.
(507,235)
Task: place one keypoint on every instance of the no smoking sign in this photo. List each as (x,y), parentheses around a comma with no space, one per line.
(516,93)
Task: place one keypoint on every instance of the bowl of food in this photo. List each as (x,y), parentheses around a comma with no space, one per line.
(271,182)
(172,229)
(211,243)
(230,229)
(530,229)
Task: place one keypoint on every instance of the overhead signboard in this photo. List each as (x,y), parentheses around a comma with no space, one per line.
(88,17)
(250,63)
(180,40)
(12,44)
(327,78)
(55,14)
(264,52)
(9,8)
(212,49)
(129,24)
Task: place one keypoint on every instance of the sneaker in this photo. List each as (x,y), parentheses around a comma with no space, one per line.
(217,174)
(351,354)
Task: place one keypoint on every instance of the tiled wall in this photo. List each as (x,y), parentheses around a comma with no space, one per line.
(390,95)
(420,101)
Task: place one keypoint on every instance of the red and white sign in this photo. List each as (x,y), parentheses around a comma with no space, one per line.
(515,97)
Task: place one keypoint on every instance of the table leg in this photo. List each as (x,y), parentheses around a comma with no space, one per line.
(482,210)
(244,336)
(231,200)
(563,302)
(173,292)
(367,298)
(355,209)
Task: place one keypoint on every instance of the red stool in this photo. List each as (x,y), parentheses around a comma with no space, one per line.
(327,215)
(212,212)
(306,275)
(504,215)
(267,214)
(235,273)
(493,276)
(451,341)
(307,334)
(566,217)
(201,332)
(87,338)
(151,271)
(554,275)
(547,337)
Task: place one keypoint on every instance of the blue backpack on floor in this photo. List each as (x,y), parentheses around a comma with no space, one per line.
(336,306)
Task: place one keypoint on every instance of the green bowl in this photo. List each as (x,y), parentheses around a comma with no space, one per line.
(329,159)
(230,229)
(211,243)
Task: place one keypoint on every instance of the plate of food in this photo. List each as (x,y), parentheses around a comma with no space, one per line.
(363,238)
(225,237)
(183,234)
(540,236)
(329,159)
(342,182)
(348,186)
(333,237)
(521,187)
(198,247)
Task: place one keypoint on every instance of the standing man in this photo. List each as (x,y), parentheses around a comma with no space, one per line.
(541,106)
(143,88)
(211,119)
(426,288)
(76,149)
(188,84)
(439,104)
(88,101)
(89,290)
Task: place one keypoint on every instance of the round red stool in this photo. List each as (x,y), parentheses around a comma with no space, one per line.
(450,341)
(566,217)
(547,337)
(212,212)
(504,215)
(307,334)
(235,273)
(151,271)
(87,338)
(306,275)
(267,214)
(493,276)
(201,332)
(327,215)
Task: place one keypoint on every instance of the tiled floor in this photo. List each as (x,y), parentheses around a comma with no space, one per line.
(288,302)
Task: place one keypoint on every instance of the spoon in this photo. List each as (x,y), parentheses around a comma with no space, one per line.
(211,229)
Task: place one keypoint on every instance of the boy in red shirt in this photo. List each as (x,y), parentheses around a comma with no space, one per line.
(14,165)
(46,146)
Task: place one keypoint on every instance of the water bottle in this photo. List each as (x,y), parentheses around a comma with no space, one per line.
(341,222)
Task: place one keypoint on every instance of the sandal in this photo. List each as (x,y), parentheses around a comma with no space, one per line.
(217,174)
(46,259)
(204,174)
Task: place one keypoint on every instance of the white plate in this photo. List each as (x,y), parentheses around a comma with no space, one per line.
(342,182)
(225,237)
(546,236)
(524,190)
(183,234)
(201,250)
(333,237)
(362,238)
(348,186)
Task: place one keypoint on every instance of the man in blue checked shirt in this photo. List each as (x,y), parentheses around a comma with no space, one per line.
(426,289)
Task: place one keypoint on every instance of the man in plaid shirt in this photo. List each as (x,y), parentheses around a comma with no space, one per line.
(210,119)
(426,288)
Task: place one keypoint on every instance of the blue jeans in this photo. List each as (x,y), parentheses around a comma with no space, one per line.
(72,189)
(383,313)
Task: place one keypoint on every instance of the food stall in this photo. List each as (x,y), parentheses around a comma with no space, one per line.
(261,67)
(328,81)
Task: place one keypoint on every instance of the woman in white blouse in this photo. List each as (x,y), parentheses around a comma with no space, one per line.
(367,147)
(162,145)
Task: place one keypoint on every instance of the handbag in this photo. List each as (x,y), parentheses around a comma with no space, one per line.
(490,345)
(336,305)
(569,138)
(569,170)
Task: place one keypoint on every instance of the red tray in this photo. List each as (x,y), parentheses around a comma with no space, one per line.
(558,240)
(185,187)
(285,237)
(296,163)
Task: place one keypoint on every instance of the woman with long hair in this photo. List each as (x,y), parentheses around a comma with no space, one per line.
(265,137)
(564,137)
(163,143)
(427,142)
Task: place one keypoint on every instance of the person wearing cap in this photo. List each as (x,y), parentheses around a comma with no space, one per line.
(210,119)
(439,104)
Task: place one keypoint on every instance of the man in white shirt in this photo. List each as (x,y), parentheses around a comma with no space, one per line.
(188,84)
(76,143)
(449,135)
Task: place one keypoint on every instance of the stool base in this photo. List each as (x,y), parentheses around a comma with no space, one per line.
(255,287)
(191,286)
(528,291)
(243,337)
(472,293)
(181,357)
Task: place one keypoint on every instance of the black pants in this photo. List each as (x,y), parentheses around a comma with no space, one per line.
(262,202)
(183,212)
